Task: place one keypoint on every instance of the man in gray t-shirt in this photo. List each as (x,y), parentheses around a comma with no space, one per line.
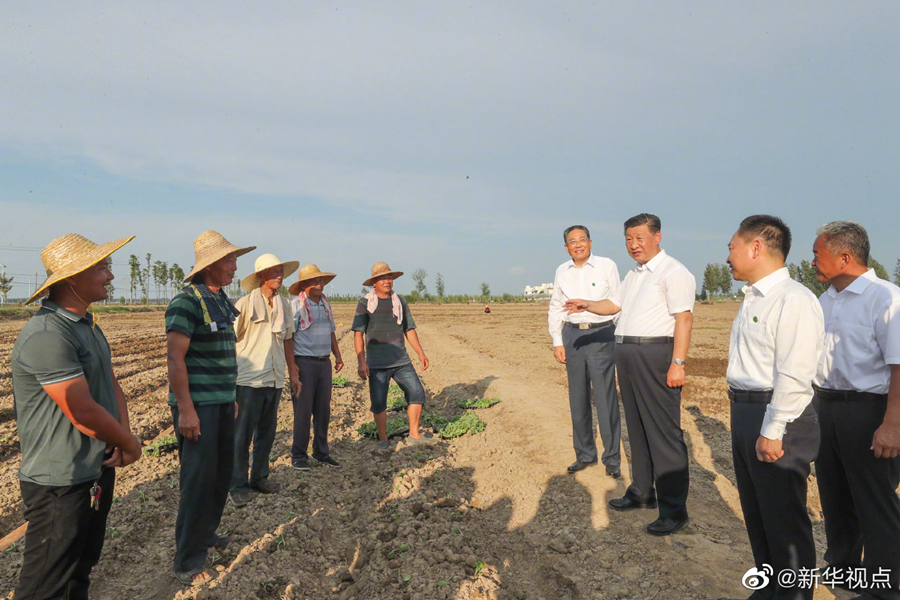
(382,324)
(72,421)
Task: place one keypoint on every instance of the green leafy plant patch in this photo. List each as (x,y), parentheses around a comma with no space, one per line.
(436,422)
(395,427)
(340,382)
(478,402)
(464,423)
(395,403)
(166,442)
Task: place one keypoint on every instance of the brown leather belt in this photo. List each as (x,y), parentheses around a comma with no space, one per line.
(754,396)
(826,394)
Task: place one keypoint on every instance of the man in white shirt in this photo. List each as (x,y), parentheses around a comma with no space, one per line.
(585,343)
(652,338)
(776,341)
(858,402)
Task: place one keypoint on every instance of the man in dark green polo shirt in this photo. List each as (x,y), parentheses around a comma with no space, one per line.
(72,421)
(202,363)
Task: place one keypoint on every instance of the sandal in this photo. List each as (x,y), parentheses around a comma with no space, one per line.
(186,578)
(223,541)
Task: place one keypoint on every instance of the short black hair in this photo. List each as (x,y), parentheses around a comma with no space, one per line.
(651,221)
(573,228)
(774,232)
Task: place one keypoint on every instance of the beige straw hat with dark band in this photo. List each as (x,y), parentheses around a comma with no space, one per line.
(70,255)
(267,261)
(379,269)
(209,247)
(306,273)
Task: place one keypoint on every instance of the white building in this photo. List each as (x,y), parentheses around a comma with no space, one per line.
(545,289)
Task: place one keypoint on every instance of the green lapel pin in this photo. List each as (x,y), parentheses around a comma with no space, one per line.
(756,319)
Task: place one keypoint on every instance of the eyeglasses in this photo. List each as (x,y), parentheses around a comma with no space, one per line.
(580,240)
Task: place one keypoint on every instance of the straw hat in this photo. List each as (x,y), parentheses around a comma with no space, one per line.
(379,269)
(267,261)
(209,247)
(70,255)
(309,272)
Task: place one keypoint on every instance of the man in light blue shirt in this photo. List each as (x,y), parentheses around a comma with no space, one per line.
(314,342)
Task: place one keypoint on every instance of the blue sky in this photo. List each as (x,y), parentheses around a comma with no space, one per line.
(460,138)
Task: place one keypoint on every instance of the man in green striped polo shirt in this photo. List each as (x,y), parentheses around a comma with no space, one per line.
(200,351)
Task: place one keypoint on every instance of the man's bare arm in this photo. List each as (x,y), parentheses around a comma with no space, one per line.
(177,345)
(293,369)
(886,441)
(359,344)
(413,338)
(74,398)
(338,361)
(603,308)
(684,321)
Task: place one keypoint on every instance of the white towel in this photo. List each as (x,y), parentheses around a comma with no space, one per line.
(396,308)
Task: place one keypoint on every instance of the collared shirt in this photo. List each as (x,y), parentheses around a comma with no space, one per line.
(597,279)
(652,294)
(315,340)
(260,351)
(57,345)
(776,342)
(862,335)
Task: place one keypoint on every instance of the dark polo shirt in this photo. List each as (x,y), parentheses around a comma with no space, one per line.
(385,341)
(57,345)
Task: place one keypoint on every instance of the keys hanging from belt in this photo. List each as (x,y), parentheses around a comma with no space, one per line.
(96,490)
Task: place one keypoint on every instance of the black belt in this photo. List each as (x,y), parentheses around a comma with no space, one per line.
(588,325)
(826,394)
(320,358)
(636,339)
(754,396)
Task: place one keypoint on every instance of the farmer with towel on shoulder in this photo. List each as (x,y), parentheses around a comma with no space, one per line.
(314,343)
(202,363)
(72,420)
(265,346)
(382,321)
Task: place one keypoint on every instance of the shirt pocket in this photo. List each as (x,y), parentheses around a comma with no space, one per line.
(599,290)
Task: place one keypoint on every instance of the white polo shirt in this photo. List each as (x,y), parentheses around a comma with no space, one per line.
(776,342)
(862,335)
(597,279)
(652,294)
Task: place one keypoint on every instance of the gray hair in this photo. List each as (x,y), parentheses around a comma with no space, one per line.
(846,236)
(573,228)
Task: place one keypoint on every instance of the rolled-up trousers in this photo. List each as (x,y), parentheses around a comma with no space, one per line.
(858,491)
(773,495)
(591,369)
(653,415)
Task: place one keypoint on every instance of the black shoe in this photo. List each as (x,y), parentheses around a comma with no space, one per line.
(329,461)
(614,472)
(300,465)
(628,503)
(578,466)
(666,526)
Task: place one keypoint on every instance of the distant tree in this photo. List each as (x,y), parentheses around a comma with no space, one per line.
(710,280)
(725,280)
(703,295)
(897,273)
(717,280)
(806,274)
(5,285)
(414,296)
(880,271)
(419,276)
(439,282)
(135,276)
(161,277)
(176,277)
(364,291)
(486,290)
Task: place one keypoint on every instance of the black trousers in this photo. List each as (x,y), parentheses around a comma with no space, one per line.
(773,495)
(64,538)
(591,369)
(858,491)
(313,402)
(653,416)
(206,469)
(256,422)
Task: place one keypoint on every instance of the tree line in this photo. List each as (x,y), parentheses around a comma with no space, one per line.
(717,281)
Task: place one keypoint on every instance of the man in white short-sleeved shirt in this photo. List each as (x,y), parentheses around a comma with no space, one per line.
(776,341)
(653,333)
(858,402)
(585,343)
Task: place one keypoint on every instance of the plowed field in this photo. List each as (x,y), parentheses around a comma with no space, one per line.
(492,515)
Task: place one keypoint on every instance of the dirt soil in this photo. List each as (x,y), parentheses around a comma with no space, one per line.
(492,515)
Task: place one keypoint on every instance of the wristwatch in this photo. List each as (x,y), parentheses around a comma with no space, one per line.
(678,361)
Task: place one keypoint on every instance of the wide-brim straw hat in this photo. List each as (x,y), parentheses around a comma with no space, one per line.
(267,261)
(70,255)
(306,273)
(379,269)
(209,247)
